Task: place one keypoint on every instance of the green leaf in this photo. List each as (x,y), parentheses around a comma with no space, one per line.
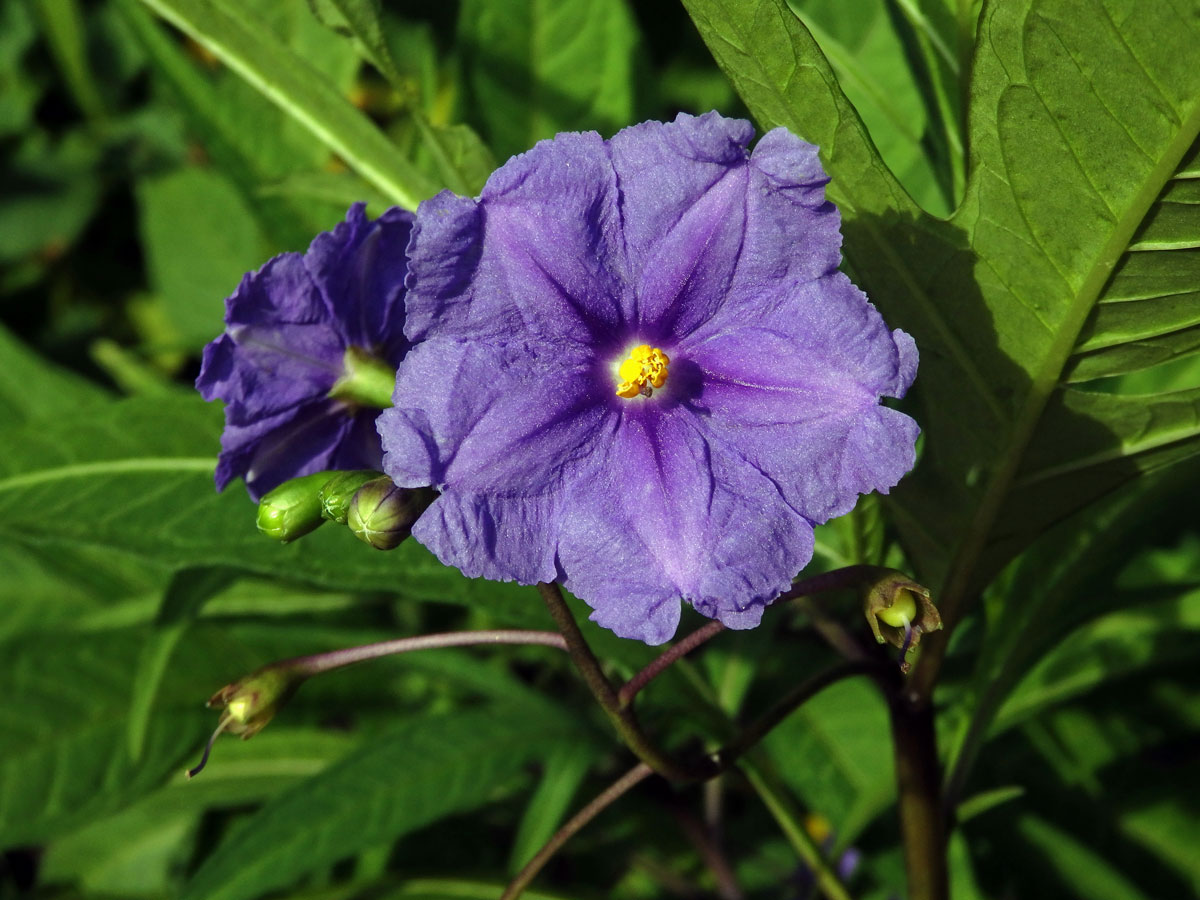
(63,741)
(834,753)
(248,47)
(1085,871)
(32,387)
(199,238)
(136,477)
(783,77)
(362,19)
(867,56)
(564,772)
(141,849)
(20,91)
(1079,126)
(537,67)
(250,141)
(413,774)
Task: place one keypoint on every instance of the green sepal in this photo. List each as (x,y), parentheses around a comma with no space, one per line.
(337,493)
(367,381)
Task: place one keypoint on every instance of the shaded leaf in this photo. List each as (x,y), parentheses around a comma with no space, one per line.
(411,775)
(537,67)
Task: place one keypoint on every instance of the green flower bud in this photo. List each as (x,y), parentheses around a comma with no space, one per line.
(293,509)
(382,514)
(250,703)
(340,490)
(899,611)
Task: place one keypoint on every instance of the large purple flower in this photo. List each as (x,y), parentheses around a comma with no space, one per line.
(637,371)
(310,341)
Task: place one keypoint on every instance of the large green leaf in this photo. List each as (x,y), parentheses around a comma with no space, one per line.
(413,774)
(251,49)
(249,140)
(541,66)
(63,744)
(141,850)
(136,476)
(833,751)
(1080,125)
(867,56)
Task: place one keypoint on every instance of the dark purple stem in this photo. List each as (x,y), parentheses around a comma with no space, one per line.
(335,659)
(638,773)
(663,662)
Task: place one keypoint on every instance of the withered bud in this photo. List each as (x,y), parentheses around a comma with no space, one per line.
(899,611)
(248,704)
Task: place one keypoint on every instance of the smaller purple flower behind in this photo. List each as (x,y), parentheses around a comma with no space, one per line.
(637,370)
(309,354)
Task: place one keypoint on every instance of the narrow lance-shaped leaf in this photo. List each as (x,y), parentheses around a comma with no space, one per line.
(250,49)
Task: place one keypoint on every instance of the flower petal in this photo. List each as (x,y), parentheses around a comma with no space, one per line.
(474,415)
(359,269)
(668,518)
(279,350)
(486,536)
(805,412)
(542,260)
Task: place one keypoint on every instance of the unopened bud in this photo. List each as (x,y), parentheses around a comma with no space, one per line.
(337,493)
(250,703)
(382,514)
(899,611)
(293,509)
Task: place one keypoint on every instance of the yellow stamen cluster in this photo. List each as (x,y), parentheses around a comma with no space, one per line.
(644,370)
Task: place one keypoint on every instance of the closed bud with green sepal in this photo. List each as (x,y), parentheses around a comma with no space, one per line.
(382,514)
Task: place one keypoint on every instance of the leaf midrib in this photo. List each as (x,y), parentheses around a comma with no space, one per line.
(132,466)
(1048,375)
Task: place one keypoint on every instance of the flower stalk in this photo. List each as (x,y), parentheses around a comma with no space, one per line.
(249,703)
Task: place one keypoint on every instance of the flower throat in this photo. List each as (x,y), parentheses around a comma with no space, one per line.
(644,370)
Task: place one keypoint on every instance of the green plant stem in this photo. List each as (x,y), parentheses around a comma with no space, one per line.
(843,641)
(637,774)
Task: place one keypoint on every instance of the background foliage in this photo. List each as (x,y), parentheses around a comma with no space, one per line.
(1020,186)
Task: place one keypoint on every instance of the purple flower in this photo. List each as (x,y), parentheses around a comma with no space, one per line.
(309,354)
(637,371)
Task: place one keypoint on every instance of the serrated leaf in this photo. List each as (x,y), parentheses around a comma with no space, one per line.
(407,777)
(537,67)
(250,49)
